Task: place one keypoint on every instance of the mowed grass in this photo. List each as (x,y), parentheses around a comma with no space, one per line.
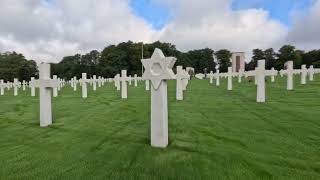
(214,134)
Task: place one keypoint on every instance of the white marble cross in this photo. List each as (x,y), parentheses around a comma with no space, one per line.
(117,82)
(16,85)
(304,73)
(130,80)
(55,89)
(84,82)
(45,85)
(71,82)
(99,81)
(94,82)
(74,83)
(273,76)
(311,72)
(289,72)
(124,86)
(32,85)
(24,84)
(260,73)
(211,76)
(135,80)
(180,76)
(217,75)
(158,69)
(60,84)
(230,74)
(2,86)
(240,75)
(103,80)
(185,81)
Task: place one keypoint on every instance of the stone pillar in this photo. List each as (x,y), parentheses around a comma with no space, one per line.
(261,96)
(124,88)
(33,89)
(272,77)
(45,96)
(311,73)
(15,87)
(229,78)
(290,75)
(135,80)
(74,83)
(211,77)
(304,72)
(159,116)
(217,77)
(179,90)
(84,86)
(55,90)
(94,83)
(1,87)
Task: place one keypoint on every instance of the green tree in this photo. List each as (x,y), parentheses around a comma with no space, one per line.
(14,65)
(223,57)
(288,53)
(270,57)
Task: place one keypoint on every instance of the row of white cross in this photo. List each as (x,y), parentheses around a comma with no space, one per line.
(158,69)
(260,73)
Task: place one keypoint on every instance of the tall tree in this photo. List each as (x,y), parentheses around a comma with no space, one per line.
(223,57)
(14,65)
(288,53)
(270,57)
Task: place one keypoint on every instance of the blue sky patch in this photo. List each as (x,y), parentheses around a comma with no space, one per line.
(155,14)
(278,9)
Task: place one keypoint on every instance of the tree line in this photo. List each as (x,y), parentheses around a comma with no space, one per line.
(127,55)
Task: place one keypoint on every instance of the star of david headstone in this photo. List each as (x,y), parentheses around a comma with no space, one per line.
(158,68)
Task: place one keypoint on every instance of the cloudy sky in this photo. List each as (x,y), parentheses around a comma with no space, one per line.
(46,30)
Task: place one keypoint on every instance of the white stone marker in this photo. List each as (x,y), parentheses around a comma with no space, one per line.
(71,82)
(60,84)
(74,83)
(117,82)
(55,89)
(311,72)
(15,86)
(45,85)
(179,84)
(304,73)
(135,80)
(130,80)
(2,86)
(211,75)
(94,82)
(124,88)
(24,83)
(240,75)
(99,81)
(289,73)
(84,82)
(32,85)
(217,75)
(273,76)
(230,74)
(158,69)
(147,85)
(185,81)
(260,73)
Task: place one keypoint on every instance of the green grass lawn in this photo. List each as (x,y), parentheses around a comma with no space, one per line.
(214,134)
